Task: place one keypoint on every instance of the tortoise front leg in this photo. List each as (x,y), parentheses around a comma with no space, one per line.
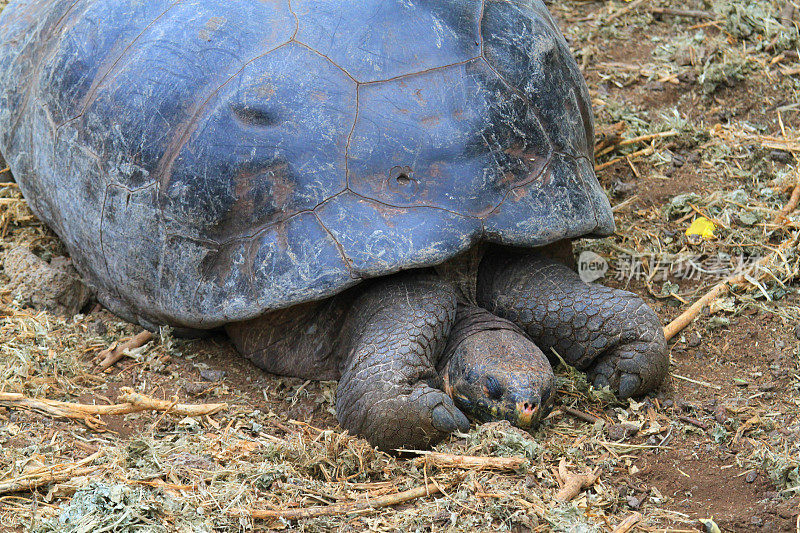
(611,334)
(389,390)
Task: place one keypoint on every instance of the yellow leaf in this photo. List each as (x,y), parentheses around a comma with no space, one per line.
(701,227)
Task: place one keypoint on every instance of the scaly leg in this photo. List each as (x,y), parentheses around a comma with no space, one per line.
(390,391)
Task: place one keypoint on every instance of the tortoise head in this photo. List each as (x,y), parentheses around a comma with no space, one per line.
(498,374)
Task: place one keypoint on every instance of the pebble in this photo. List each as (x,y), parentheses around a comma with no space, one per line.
(694,341)
(618,432)
(720,415)
(622,188)
(214,376)
(797,332)
(633,502)
(98,328)
(756,521)
(751,476)
(193,389)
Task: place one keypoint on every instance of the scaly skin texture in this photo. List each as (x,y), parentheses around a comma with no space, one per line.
(404,350)
(610,334)
(389,390)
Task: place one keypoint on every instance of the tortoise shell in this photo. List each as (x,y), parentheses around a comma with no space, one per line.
(206,161)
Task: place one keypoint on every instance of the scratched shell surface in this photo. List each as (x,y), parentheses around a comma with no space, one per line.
(205,161)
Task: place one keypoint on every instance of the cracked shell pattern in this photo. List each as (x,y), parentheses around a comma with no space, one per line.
(208,161)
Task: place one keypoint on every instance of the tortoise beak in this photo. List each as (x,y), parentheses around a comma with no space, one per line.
(526,414)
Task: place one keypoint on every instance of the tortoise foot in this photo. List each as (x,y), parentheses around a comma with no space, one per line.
(610,334)
(389,391)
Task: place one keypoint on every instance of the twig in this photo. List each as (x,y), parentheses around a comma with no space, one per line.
(587,417)
(686,318)
(609,136)
(573,484)
(132,402)
(723,287)
(642,138)
(622,205)
(626,525)
(50,474)
(630,7)
(446,460)
(693,421)
(343,508)
(696,382)
(19,485)
(112,355)
(646,151)
(789,207)
(688,13)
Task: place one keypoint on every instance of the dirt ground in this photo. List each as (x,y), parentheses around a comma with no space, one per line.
(712,87)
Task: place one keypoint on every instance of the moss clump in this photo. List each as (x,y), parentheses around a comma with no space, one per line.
(758,22)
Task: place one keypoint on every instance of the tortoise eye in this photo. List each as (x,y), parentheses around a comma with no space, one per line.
(493,388)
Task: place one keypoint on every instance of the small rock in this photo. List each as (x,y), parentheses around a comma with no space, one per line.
(618,432)
(720,414)
(98,328)
(633,502)
(779,156)
(751,476)
(213,376)
(694,341)
(194,389)
(54,286)
(797,332)
(622,188)
(756,521)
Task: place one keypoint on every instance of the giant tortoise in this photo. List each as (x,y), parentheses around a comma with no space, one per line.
(382,192)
